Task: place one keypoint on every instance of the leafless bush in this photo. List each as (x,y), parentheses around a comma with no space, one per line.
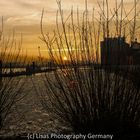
(81,93)
(10,87)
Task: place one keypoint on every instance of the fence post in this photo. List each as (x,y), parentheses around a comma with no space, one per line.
(33,67)
(11,68)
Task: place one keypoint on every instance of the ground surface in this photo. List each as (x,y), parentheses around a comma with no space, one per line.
(28,115)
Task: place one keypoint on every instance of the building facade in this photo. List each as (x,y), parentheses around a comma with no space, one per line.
(116,51)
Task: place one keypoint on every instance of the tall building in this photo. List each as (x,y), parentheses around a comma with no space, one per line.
(116,51)
(134,53)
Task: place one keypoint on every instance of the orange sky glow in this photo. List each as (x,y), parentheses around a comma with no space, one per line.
(23,16)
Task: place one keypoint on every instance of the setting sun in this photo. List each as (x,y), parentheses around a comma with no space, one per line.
(65,58)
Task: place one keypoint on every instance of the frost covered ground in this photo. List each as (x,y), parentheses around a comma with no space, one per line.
(28,115)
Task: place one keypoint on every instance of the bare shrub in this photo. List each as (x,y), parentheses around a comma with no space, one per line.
(10,87)
(82,93)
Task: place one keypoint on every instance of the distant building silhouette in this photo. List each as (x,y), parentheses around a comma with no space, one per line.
(116,51)
(134,53)
(33,68)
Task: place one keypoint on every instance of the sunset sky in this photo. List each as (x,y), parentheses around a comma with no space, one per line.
(24,16)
